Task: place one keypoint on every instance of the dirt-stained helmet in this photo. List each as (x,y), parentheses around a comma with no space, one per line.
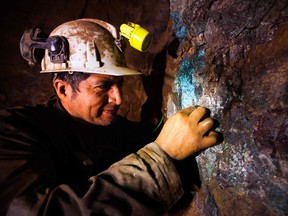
(87,45)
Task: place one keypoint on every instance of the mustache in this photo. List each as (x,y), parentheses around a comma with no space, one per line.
(110,107)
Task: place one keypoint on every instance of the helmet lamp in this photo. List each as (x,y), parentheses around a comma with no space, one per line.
(139,38)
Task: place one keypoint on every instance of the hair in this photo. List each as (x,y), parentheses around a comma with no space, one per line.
(73,79)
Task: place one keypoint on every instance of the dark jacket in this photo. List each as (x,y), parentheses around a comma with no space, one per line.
(47,158)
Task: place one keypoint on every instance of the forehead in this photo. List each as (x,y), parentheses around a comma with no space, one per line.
(98,78)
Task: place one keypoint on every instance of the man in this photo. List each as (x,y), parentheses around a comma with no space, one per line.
(55,159)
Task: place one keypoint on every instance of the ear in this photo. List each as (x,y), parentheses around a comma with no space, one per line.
(62,89)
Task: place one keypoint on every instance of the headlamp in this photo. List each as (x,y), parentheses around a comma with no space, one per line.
(57,46)
(139,38)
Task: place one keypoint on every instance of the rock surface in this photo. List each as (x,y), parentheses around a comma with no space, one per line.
(232,57)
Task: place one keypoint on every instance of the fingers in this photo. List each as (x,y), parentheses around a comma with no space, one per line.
(187,111)
(206,125)
(210,140)
(197,114)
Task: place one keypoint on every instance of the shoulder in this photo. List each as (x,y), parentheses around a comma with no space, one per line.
(18,115)
(26,118)
(23,113)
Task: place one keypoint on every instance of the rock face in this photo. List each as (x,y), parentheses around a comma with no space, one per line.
(229,56)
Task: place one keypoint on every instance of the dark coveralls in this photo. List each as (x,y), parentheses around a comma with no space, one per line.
(50,165)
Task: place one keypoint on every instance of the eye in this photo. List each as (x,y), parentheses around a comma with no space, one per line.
(119,83)
(105,86)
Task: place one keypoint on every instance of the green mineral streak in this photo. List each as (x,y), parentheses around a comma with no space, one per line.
(209,168)
(188,86)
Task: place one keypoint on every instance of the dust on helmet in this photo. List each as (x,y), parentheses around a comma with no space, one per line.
(91,48)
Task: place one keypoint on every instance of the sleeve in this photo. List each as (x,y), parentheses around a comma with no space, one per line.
(27,163)
(144,183)
(15,152)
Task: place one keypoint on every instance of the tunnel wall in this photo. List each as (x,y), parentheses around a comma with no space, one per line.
(231,57)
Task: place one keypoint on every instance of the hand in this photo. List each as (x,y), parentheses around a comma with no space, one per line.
(186,132)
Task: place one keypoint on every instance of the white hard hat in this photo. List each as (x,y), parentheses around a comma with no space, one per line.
(91,48)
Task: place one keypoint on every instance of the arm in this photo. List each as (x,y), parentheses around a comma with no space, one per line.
(147,182)
(144,182)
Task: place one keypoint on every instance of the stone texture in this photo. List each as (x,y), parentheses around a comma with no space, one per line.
(231,56)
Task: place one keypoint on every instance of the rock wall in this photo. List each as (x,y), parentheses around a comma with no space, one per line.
(231,57)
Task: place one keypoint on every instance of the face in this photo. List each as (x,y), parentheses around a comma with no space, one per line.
(97,100)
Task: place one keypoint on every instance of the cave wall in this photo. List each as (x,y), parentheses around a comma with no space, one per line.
(229,56)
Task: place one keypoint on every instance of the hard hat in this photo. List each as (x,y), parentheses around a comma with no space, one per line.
(90,47)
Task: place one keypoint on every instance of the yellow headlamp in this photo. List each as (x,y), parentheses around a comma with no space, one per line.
(138,37)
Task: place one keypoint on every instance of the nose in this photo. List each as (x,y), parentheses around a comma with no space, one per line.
(114,95)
